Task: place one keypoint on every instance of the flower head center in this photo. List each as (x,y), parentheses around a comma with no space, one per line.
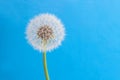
(45,33)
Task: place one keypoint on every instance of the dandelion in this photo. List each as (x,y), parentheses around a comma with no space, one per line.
(45,32)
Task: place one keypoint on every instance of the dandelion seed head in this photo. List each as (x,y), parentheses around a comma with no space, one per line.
(45,32)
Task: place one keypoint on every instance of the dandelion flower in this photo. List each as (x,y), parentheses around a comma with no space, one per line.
(45,32)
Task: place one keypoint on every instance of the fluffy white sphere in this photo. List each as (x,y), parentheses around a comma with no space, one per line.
(37,33)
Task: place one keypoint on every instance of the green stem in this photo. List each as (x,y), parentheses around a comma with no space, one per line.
(45,66)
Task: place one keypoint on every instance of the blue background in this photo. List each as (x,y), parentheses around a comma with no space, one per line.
(90,51)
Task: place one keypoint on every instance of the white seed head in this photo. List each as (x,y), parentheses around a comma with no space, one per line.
(45,32)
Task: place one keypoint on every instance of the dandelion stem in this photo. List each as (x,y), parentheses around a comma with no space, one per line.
(45,66)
